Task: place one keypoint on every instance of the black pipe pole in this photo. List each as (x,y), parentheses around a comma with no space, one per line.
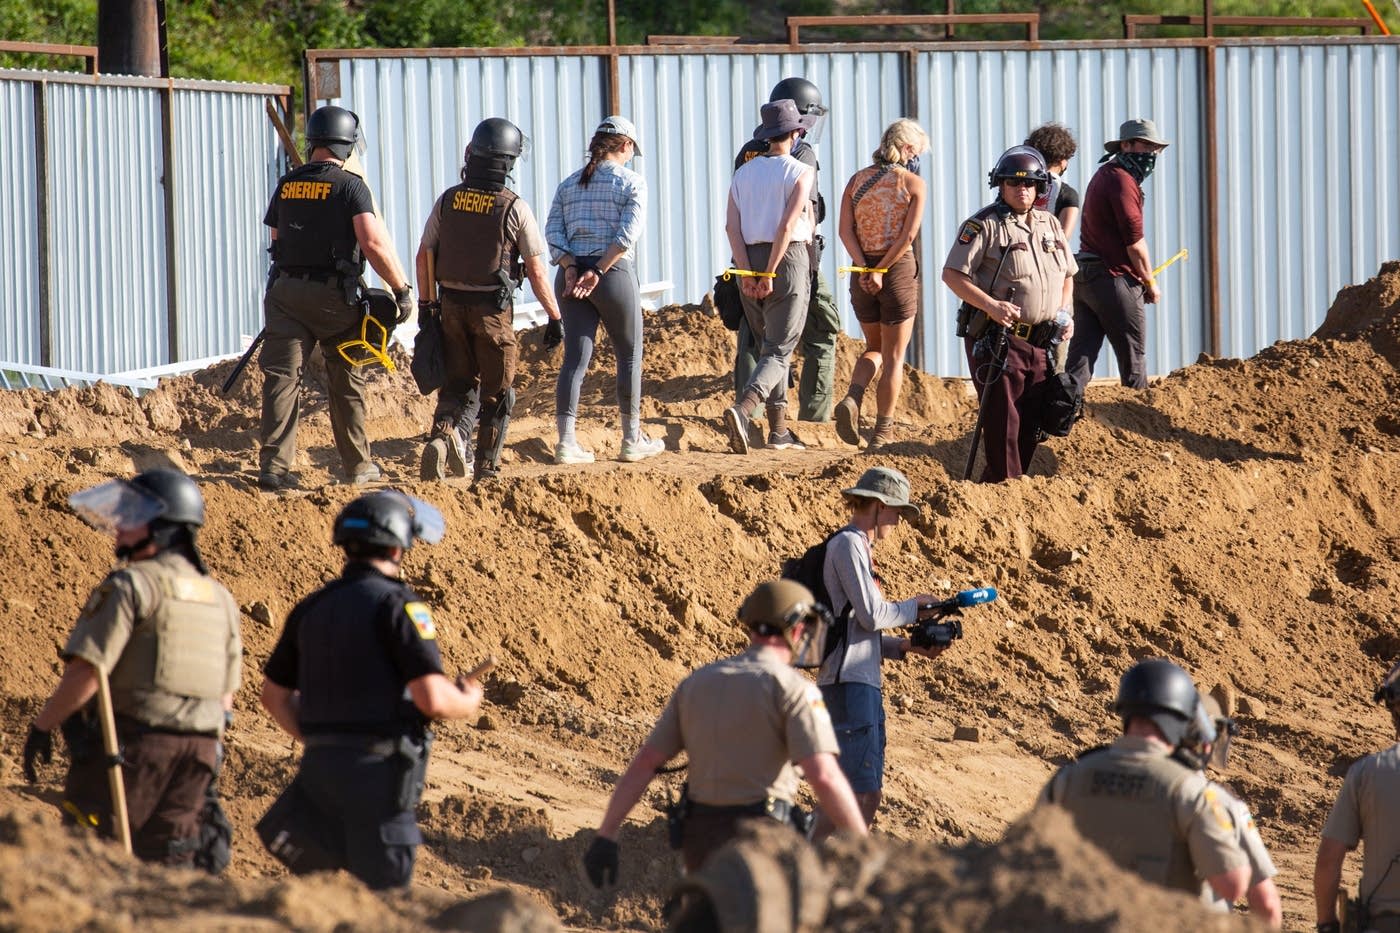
(128,38)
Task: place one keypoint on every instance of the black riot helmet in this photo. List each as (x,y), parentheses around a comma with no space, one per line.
(801,92)
(386,518)
(1158,690)
(335,128)
(184,505)
(1020,162)
(496,136)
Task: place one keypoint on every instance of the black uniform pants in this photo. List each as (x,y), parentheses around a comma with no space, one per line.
(164,778)
(1108,306)
(354,792)
(1012,399)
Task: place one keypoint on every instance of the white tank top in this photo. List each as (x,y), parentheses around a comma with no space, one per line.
(761,187)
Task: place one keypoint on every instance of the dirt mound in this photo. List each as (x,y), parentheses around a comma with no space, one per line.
(1236,516)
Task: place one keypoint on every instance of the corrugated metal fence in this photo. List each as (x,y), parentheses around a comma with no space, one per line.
(132,213)
(1305,203)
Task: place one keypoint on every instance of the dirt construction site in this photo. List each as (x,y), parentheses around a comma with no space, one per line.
(1234,517)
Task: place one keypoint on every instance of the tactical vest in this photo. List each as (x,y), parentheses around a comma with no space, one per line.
(346,673)
(472,243)
(179,642)
(315,229)
(1124,806)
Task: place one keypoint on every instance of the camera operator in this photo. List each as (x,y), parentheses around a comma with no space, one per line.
(850,675)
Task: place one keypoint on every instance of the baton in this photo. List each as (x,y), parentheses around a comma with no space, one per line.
(243,362)
(481,670)
(1180,254)
(120,821)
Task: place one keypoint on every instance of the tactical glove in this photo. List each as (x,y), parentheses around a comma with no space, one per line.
(553,334)
(600,861)
(426,308)
(39,747)
(403,297)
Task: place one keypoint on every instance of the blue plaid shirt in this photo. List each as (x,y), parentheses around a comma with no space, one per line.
(586,219)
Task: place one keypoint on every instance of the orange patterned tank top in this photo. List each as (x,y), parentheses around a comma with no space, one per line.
(880,212)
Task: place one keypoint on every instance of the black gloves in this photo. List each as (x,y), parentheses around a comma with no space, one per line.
(403,297)
(600,861)
(39,747)
(553,334)
(426,308)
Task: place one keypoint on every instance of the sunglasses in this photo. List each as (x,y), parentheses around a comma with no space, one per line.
(1021,182)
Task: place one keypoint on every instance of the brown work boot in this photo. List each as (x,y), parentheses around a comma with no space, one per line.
(848,421)
(444,455)
(884,432)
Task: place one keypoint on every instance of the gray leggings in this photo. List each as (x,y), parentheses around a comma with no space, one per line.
(617,303)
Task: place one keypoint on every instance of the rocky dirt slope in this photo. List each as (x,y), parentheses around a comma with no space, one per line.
(1235,516)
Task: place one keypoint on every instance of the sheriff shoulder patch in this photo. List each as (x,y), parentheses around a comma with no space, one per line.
(422,618)
(1222,817)
(970,231)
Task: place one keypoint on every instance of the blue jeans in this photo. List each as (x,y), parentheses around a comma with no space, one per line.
(858,715)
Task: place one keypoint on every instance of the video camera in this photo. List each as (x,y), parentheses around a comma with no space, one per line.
(930,632)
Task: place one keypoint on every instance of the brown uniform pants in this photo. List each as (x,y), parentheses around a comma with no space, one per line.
(1012,402)
(707,832)
(478,342)
(299,313)
(165,777)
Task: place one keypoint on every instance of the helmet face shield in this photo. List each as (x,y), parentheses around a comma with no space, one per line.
(1220,752)
(814,122)
(428,523)
(807,649)
(115,506)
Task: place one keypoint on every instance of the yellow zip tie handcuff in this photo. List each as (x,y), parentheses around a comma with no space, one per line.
(366,351)
(747,272)
(842,270)
(1180,254)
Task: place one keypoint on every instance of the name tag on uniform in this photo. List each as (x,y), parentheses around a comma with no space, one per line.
(422,618)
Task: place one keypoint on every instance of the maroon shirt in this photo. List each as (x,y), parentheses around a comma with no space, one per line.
(1112,217)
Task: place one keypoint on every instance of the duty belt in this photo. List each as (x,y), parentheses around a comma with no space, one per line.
(779,810)
(370,744)
(1037,335)
(312,275)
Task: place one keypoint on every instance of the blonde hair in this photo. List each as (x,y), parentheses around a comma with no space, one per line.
(901,132)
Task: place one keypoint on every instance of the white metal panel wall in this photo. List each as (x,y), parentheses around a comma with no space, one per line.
(417,116)
(107,227)
(976,104)
(1308,137)
(19,260)
(695,112)
(226,158)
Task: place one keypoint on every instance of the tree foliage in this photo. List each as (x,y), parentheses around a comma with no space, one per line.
(263,40)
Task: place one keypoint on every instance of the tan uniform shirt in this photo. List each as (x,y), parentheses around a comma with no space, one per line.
(1261,865)
(521,229)
(743,721)
(1039,260)
(115,629)
(1368,809)
(1152,815)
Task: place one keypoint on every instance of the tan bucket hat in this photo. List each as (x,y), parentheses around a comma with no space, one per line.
(886,485)
(1136,129)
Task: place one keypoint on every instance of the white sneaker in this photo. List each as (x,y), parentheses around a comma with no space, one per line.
(640,449)
(571,453)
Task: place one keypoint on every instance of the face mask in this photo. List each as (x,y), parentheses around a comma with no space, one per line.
(1138,164)
(913,164)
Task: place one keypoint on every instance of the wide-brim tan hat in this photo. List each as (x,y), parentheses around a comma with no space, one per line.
(1143,129)
(888,486)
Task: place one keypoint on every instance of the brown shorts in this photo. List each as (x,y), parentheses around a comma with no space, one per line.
(897,301)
